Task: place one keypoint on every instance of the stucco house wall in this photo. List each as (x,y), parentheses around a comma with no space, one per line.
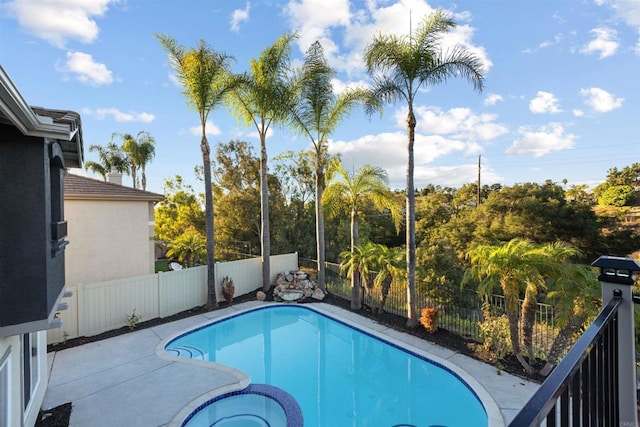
(110,230)
(36,146)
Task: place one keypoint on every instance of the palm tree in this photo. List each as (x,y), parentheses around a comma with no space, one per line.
(400,67)
(507,266)
(316,115)
(141,151)
(390,264)
(550,262)
(205,77)
(357,264)
(265,97)
(111,159)
(575,296)
(189,248)
(350,191)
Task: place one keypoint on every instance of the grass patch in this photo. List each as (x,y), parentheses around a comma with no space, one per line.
(162,265)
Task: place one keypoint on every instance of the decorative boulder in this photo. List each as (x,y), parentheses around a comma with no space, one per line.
(318,294)
(261,296)
(294,286)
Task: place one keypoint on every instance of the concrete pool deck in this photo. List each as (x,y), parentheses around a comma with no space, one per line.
(122,381)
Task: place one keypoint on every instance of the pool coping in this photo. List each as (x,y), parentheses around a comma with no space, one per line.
(495,417)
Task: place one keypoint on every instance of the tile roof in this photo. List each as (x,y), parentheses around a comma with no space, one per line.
(80,187)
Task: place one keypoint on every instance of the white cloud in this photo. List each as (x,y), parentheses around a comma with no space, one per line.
(339,86)
(209,128)
(544,102)
(546,139)
(600,100)
(316,20)
(85,69)
(578,113)
(57,21)
(627,11)
(241,133)
(389,151)
(238,16)
(492,99)
(605,42)
(547,43)
(119,116)
(457,123)
(454,176)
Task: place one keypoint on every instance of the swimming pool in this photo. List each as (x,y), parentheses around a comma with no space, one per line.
(339,375)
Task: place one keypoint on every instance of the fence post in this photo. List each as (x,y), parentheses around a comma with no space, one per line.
(616,275)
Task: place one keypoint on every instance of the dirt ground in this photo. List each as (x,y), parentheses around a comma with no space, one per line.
(59,416)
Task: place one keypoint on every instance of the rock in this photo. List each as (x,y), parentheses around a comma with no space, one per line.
(261,296)
(318,294)
(291,295)
(295,285)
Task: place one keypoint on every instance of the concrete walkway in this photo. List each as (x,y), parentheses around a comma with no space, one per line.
(121,381)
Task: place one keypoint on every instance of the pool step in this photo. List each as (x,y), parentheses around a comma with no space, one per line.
(187,352)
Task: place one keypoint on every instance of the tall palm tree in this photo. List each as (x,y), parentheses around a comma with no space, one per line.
(111,159)
(206,79)
(264,98)
(400,67)
(141,151)
(316,115)
(350,191)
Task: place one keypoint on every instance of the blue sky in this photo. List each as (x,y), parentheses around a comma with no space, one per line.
(561,98)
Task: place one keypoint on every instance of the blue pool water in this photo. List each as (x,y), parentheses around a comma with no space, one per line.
(242,410)
(340,376)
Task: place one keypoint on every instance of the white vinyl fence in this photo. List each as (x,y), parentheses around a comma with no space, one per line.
(99,307)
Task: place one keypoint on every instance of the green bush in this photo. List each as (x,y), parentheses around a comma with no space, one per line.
(617,195)
(494,332)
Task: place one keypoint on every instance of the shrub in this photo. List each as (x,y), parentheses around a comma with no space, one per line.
(494,332)
(429,319)
(617,195)
(132,320)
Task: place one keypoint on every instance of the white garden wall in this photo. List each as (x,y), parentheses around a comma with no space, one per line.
(100,307)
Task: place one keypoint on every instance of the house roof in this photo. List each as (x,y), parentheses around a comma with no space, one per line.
(78,187)
(61,125)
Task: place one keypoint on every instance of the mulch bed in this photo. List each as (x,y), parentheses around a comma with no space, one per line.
(59,416)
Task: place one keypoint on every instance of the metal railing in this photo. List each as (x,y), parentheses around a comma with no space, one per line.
(583,389)
(595,383)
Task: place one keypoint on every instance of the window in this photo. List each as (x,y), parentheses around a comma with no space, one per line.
(5,387)
(29,366)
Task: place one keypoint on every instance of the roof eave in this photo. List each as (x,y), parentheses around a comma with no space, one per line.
(20,114)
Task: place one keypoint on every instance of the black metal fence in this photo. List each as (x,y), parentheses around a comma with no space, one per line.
(459,310)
